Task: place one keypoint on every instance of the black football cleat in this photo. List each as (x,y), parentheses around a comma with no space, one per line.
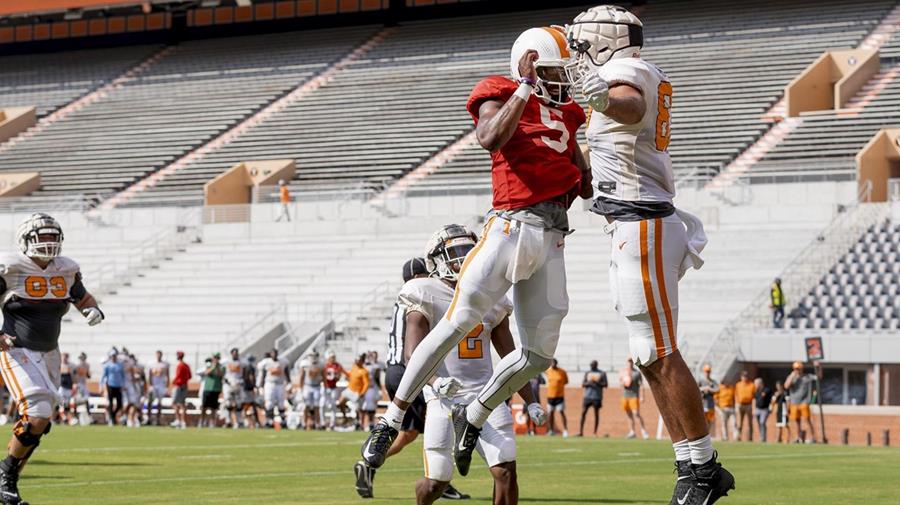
(710,482)
(365,477)
(9,485)
(465,438)
(684,483)
(374,451)
(451,493)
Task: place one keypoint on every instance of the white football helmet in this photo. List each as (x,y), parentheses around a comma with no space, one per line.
(600,34)
(553,55)
(448,246)
(36,227)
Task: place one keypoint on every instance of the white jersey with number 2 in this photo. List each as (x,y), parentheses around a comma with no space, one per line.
(631,162)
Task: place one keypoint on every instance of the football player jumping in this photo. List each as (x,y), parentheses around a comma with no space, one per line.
(37,286)
(652,243)
(528,122)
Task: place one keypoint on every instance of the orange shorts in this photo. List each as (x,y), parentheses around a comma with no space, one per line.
(710,416)
(631,404)
(798,411)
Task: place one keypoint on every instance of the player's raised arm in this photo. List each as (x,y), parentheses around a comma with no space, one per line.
(497,121)
(621,102)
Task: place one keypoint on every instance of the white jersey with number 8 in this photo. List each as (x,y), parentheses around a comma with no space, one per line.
(631,162)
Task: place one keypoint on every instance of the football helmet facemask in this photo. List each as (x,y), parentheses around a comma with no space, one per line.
(600,34)
(552,85)
(448,247)
(40,237)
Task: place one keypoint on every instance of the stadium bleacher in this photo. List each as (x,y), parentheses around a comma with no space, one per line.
(861,291)
(176,105)
(50,81)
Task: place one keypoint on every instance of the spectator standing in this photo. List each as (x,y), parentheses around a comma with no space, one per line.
(535,383)
(745,393)
(709,388)
(594,382)
(725,402)
(357,385)
(800,387)
(333,373)
(284,197)
(780,407)
(557,378)
(180,390)
(375,392)
(632,397)
(776,303)
(113,381)
(212,389)
(763,400)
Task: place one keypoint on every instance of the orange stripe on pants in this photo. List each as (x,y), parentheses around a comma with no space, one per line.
(469,257)
(661,279)
(23,403)
(648,289)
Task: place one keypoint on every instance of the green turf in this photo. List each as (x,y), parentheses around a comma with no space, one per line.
(100,465)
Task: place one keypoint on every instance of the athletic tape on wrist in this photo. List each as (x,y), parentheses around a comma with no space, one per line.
(523,91)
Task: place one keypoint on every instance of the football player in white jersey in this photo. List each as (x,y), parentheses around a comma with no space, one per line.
(652,243)
(159,386)
(311,375)
(273,376)
(37,285)
(233,387)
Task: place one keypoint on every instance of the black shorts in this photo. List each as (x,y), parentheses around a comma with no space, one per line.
(211,400)
(595,403)
(415,415)
(553,402)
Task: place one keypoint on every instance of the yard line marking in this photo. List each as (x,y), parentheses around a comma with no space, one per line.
(195,447)
(323,473)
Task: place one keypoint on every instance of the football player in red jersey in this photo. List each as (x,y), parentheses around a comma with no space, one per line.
(528,121)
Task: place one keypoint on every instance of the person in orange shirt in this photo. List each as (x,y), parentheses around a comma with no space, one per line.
(745,392)
(357,385)
(284,196)
(557,378)
(725,401)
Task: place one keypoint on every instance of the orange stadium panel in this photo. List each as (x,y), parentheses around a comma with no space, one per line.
(242,14)
(224,15)
(284,10)
(23,33)
(116,25)
(78,29)
(265,11)
(7,35)
(327,7)
(97,27)
(349,6)
(203,17)
(156,21)
(136,23)
(20,6)
(306,7)
(371,5)
(60,30)
(42,31)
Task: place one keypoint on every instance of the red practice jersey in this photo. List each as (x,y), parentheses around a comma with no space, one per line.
(536,164)
(333,372)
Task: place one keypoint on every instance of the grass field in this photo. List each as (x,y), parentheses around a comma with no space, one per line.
(100,465)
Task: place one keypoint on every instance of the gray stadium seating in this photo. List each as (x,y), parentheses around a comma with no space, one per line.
(861,291)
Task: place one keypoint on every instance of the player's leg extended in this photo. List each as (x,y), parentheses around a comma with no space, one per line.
(541,302)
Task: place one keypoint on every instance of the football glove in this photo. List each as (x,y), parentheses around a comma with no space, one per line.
(93,315)
(446,386)
(596,91)
(537,414)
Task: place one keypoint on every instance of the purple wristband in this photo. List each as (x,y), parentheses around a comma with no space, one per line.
(527,80)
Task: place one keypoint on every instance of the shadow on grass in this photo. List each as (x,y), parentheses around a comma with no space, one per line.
(39,462)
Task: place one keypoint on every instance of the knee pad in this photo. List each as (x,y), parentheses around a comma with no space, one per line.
(22,432)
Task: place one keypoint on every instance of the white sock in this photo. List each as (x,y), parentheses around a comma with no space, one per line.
(682,450)
(701,450)
(393,416)
(477,414)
